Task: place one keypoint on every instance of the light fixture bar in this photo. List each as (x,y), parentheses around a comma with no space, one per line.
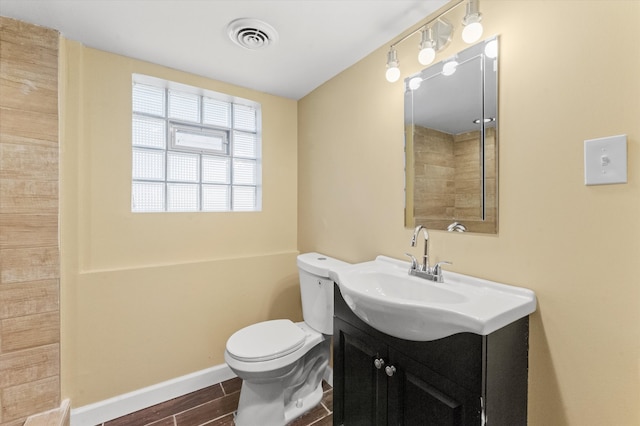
(435,35)
(422,27)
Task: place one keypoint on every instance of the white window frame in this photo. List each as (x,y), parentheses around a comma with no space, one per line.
(223,152)
(174,145)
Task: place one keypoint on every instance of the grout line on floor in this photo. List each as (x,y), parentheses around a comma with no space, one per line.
(223,418)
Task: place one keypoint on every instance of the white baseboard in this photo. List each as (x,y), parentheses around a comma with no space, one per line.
(121,405)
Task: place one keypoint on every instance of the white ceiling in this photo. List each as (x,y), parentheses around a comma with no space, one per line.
(317,38)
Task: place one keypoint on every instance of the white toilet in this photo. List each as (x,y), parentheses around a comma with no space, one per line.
(282,363)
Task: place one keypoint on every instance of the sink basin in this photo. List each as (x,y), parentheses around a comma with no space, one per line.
(385,296)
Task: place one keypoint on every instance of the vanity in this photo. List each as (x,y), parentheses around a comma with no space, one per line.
(473,377)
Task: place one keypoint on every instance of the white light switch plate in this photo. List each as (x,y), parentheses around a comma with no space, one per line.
(605,160)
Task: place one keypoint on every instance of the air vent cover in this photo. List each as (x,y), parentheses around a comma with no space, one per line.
(252,34)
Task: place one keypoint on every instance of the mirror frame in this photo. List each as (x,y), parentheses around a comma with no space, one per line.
(483,217)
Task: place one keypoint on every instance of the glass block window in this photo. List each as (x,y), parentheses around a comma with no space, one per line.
(193,149)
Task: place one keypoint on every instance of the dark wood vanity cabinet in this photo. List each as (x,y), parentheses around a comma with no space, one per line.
(460,380)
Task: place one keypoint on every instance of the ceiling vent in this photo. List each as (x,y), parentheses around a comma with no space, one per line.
(252,34)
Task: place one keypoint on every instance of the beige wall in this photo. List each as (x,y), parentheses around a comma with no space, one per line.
(150,297)
(29,253)
(568,72)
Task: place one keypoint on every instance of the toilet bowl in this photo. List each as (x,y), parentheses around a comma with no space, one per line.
(282,363)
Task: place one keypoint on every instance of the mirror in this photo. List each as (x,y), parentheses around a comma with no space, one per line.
(451,142)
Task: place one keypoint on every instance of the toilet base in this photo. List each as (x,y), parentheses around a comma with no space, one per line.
(264,402)
(301,406)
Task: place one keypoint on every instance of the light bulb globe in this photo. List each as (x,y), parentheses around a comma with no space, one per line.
(392,74)
(449,68)
(414,83)
(491,49)
(472,32)
(426,55)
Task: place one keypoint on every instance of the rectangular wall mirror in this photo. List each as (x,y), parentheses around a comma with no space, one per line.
(451,142)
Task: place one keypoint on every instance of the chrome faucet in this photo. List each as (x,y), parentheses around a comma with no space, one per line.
(414,240)
(424,270)
(456,226)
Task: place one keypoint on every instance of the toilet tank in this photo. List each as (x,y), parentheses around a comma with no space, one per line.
(316,290)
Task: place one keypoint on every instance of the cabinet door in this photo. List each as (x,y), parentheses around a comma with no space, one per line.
(359,389)
(418,396)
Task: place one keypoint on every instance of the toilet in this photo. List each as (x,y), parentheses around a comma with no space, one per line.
(282,363)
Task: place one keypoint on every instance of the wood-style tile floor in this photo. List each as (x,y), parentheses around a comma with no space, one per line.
(214,406)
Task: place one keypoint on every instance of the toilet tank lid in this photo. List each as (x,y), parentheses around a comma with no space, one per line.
(319,264)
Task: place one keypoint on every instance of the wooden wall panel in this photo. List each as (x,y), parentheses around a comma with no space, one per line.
(29,331)
(434,170)
(28,230)
(447,176)
(25,162)
(28,298)
(27,196)
(29,264)
(29,248)
(28,127)
(21,401)
(29,365)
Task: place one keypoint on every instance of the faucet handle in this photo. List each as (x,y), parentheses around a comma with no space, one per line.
(414,261)
(437,269)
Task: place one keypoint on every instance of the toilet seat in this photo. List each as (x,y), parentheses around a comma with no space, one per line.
(266,341)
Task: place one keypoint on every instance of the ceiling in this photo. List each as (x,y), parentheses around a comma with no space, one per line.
(317,39)
(451,103)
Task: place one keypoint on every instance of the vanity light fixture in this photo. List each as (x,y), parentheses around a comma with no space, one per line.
(393,72)
(472,27)
(436,35)
(427,49)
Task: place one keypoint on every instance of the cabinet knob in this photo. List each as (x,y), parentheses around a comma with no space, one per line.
(390,370)
(378,363)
